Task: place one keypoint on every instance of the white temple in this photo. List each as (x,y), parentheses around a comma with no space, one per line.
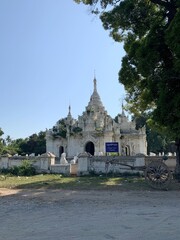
(96,132)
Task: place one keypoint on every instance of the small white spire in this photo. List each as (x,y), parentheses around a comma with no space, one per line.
(123,114)
(95,84)
(69,113)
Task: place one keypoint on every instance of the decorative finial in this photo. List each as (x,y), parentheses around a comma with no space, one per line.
(95,84)
(69,113)
(94,74)
(123,114)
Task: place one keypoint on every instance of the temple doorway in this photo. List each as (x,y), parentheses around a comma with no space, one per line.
(61,150)
(127,150)
(89,148)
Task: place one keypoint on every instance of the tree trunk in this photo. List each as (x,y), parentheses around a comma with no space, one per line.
(177,169)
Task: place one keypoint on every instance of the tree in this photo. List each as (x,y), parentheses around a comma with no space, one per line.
(156,142)
(150,69)
(1,140)
(36,143)
(8,140)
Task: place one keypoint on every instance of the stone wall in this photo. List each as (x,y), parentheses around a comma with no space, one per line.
(41,163)
(105,165)
(86,165)
(61,169)
(46,163)
(170,162)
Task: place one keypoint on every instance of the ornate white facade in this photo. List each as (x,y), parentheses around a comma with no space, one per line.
(94,132)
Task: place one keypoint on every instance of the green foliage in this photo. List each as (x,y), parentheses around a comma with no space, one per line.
(36,143)
(61,129)
(1,132)
(173,39)
(25,169)
(55,181)
(128,176)
(158,140)
(77,129)
(113,154)
(1,141)
(150,69)
(99,132)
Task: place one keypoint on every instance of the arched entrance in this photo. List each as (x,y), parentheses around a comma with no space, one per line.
(89,148)
(61,150)
(127,150)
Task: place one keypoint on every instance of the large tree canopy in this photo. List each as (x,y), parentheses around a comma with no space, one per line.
(150,71)
(36,143)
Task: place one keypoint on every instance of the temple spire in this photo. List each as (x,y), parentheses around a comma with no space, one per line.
(69,113)
(95,84)
(123,114)
(95,100)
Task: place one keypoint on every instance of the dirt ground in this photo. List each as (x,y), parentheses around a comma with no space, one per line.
(84,215)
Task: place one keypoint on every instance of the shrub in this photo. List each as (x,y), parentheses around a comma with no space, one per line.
(25,169)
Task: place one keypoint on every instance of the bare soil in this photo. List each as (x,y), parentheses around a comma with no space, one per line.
(36,214)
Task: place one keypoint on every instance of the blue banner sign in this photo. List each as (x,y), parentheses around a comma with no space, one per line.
(112,147)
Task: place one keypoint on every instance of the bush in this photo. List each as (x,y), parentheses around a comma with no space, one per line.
(14,170)
(4,171)
(25,169)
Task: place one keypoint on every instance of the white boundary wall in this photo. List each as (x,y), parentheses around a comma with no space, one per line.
(105,165)
(85,166)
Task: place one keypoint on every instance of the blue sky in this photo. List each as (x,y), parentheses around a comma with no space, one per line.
(49,51)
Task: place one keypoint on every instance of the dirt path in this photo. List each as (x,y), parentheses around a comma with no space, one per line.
(85,215)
